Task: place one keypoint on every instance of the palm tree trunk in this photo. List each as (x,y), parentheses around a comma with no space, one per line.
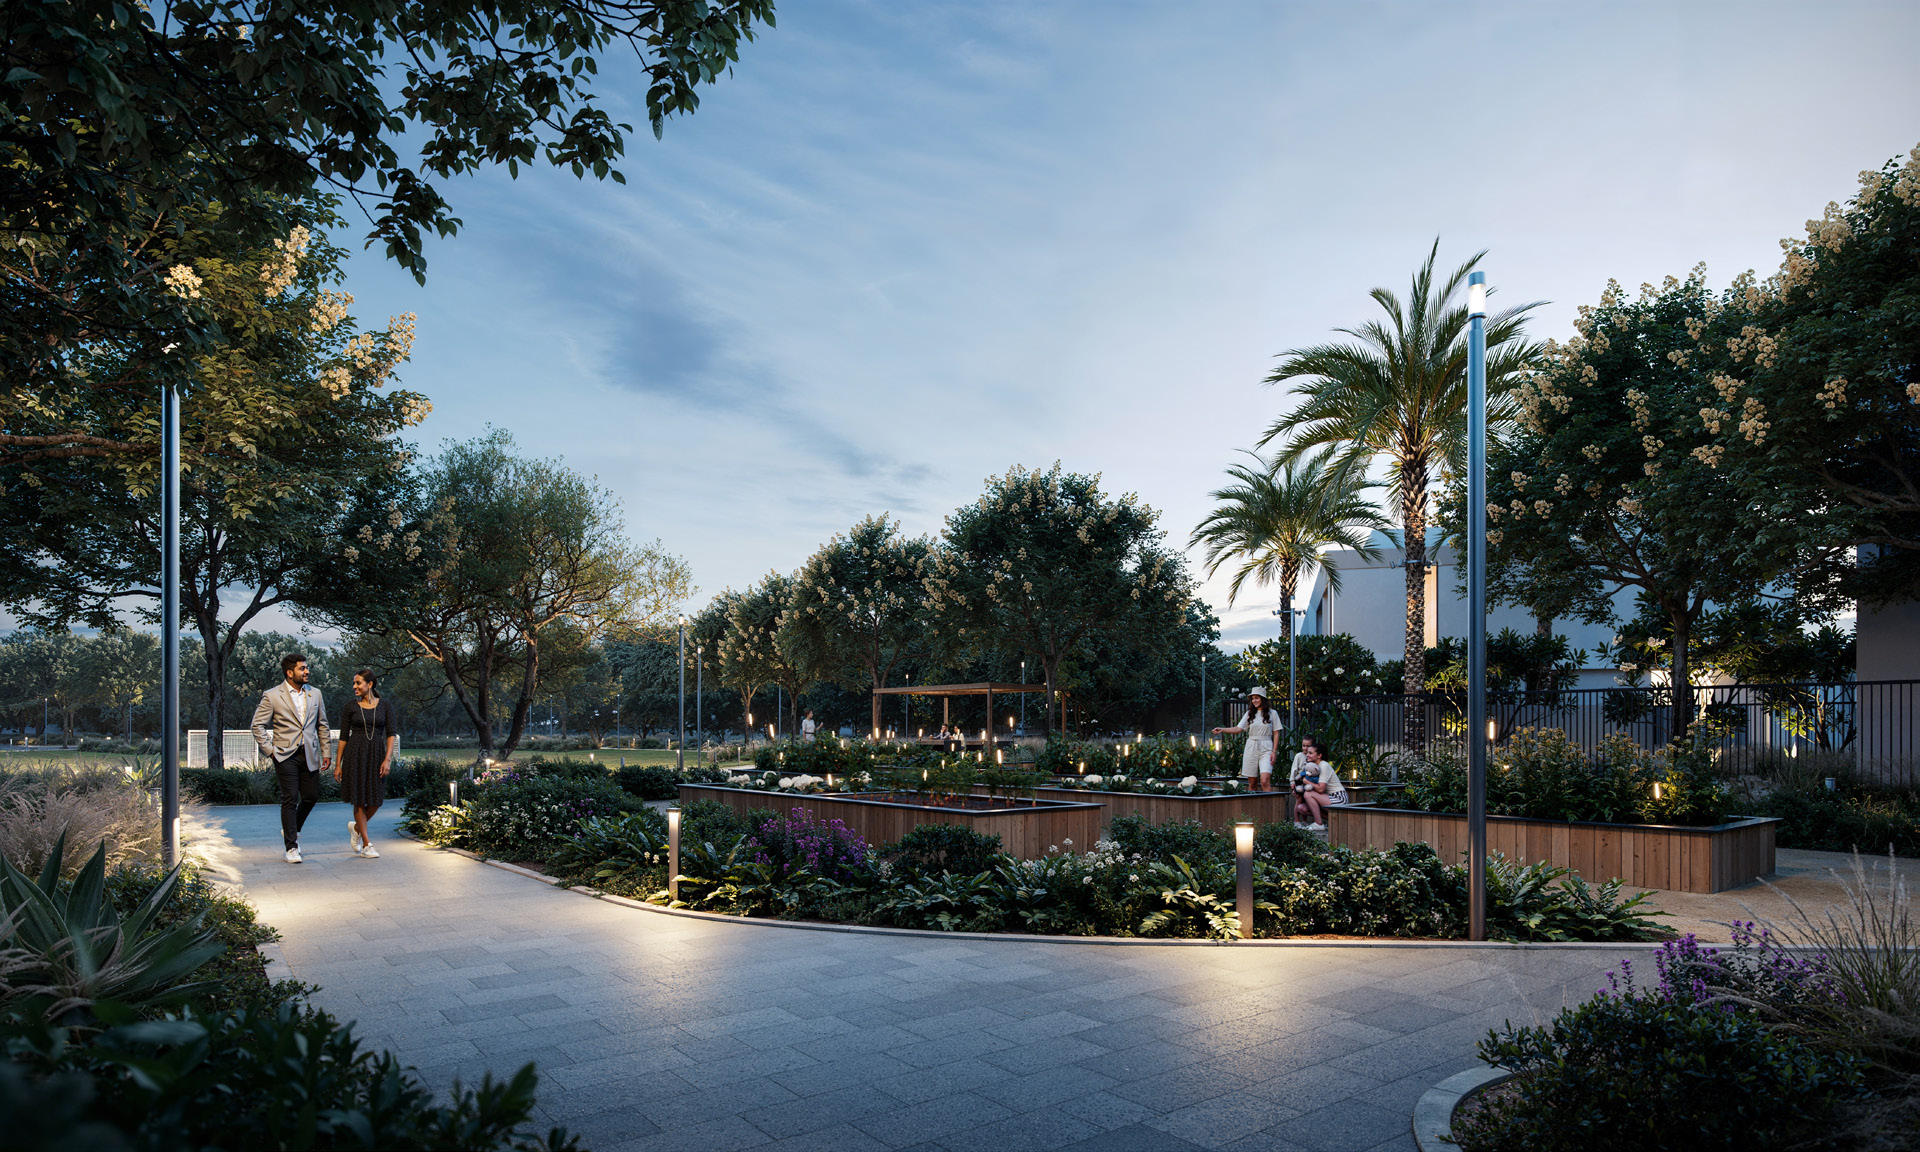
(1413,519)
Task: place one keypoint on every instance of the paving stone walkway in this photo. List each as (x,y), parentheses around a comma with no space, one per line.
(657,1032)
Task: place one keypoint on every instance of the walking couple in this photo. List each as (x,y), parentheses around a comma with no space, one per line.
(290,726)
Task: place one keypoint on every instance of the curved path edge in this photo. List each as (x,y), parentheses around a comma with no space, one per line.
(1433,1115)
(1108,941)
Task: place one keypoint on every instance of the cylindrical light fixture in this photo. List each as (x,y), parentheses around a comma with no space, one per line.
(1243,875)
(453,793)
(673,852)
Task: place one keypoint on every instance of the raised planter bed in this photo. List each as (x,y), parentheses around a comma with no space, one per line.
(1674,858)
(1216,812)
(1027,828)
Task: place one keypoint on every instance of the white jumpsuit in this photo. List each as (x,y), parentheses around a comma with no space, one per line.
(1260,735)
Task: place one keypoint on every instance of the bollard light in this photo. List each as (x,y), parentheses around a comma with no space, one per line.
(1656,789)
(673,852)
(453,793)
(1832,783)
(1243,875)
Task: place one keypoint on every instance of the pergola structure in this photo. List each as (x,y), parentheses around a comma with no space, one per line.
(947,692)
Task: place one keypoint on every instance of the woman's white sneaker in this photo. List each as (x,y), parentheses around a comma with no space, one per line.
(1316,827)
(370,853)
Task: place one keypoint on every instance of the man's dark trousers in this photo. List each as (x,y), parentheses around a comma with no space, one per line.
(299,792)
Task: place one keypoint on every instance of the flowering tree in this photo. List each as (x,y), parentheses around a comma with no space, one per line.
(1818,416)
(1611,477)
(123,119)
(859,608)
(289,445)
(1046,564)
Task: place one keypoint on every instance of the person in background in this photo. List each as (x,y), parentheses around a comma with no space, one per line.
(290,728)
(808,727)
(1317,788)
(1256,762)
(369,734)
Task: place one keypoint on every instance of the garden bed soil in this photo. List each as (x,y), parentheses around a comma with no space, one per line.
(1027,828)
(1673,858)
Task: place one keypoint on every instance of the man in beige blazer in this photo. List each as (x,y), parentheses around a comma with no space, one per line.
(290,726)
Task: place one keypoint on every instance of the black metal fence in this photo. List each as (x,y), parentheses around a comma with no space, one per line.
(1873,725)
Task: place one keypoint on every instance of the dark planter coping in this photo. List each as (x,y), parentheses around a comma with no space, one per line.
(1735,822)
(1154,795)
(862,798)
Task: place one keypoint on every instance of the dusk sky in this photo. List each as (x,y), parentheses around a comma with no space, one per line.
(908,245)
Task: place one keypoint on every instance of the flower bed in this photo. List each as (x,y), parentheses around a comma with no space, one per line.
(1027,828)
(1674,858)
(1164,804)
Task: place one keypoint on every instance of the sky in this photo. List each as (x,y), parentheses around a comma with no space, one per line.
(906,246)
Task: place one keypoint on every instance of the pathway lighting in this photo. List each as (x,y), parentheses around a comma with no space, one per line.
(1832,783)
(453,793)
(673,851)
(1243,874)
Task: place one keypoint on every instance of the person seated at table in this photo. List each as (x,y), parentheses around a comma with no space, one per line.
(1317,787)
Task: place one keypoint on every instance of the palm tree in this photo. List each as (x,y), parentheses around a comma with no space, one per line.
(1278,518)
(1398,393)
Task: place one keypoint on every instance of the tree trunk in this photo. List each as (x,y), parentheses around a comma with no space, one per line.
(523,707)
(875,729)
(1289,580)
(1682,686)
(1413,518)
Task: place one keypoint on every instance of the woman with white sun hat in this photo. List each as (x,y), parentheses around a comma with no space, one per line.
(1261,727)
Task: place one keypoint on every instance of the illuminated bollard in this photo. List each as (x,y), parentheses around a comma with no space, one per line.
(1243,875)
(673,852)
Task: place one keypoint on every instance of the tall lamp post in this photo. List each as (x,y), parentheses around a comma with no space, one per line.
(906,707)
(699,689)
(1477,605)
(170,627)
(680,746)
(1023,698)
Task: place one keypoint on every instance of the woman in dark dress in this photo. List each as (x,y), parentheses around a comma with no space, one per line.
(369,733)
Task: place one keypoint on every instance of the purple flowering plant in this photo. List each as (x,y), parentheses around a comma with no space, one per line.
(796,841)
(1756,973)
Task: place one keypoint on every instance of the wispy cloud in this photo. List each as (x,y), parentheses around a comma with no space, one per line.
(908,245)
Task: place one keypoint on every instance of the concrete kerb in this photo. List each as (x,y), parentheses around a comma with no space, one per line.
(1433,1115)
(1009,937)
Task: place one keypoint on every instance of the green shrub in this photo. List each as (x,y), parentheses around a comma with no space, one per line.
(526,815)
(648,782)
(1160,843)
(1633,1071)
(236,978)
(1405,891)
(1543,775)
(1281,842)
(626,855)
(931,849)
(278,1079)
(1855,819)
(711,821)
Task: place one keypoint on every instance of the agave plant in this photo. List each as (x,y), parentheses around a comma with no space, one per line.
(73,950)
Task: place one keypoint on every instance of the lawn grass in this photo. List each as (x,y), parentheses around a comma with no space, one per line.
(37,757)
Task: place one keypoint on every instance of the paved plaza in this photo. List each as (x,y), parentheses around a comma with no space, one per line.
(654,1031)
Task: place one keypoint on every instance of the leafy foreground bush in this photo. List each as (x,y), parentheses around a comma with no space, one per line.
(134,1015)
(1680,1065)
(281,1078)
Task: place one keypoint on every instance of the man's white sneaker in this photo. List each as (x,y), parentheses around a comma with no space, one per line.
(293,855)
(370,852)
(353,838)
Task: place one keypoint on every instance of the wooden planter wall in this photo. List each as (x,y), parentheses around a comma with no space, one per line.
(1669,857)
(1026,831)
(1216,812)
